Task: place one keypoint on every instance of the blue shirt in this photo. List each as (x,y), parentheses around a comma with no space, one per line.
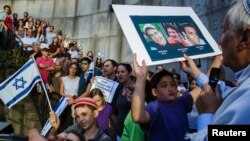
(205,119)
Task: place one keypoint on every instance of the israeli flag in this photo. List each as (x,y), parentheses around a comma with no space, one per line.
(19,85)
(59,108)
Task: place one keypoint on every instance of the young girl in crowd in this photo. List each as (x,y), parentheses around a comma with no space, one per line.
(165,118)
(105,110)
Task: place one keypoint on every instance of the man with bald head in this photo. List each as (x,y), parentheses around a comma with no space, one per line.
(54,77)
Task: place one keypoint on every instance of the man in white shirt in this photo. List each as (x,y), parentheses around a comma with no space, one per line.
(28,41)
(50,35)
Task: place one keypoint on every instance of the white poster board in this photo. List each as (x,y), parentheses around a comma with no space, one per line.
(161,34)
(107,86)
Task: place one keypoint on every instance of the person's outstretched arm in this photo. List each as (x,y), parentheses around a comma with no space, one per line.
(55,123)
(139,114)
(205,106)
(190,67)
(207,102)
(217,61)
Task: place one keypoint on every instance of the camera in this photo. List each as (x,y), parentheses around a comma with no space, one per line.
(214,77)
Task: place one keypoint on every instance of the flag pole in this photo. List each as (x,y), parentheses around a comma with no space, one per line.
(44,88)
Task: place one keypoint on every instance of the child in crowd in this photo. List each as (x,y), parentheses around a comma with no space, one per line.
(165,118)
(105,110)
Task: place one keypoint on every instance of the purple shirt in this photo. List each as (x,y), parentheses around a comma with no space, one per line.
(103,118)
(168,121)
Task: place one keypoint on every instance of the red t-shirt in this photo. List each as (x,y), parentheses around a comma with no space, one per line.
(8,22)
(44,73)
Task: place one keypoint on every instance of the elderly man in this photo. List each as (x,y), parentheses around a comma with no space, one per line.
(235,44)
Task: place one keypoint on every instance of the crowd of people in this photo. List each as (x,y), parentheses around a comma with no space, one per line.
(146,105)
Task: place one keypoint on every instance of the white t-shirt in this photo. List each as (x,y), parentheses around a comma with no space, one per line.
(71,85)
(29,41)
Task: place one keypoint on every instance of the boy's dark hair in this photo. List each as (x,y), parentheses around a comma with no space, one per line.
(157,78)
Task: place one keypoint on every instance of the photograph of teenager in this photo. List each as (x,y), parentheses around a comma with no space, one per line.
(191,35)
(174,36)
(157,41)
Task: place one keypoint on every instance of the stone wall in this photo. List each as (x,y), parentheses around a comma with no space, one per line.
(22,116)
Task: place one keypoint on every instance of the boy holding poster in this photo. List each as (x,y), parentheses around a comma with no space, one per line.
(165,118)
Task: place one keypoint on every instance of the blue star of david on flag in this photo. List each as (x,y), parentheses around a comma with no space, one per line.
(19,83)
